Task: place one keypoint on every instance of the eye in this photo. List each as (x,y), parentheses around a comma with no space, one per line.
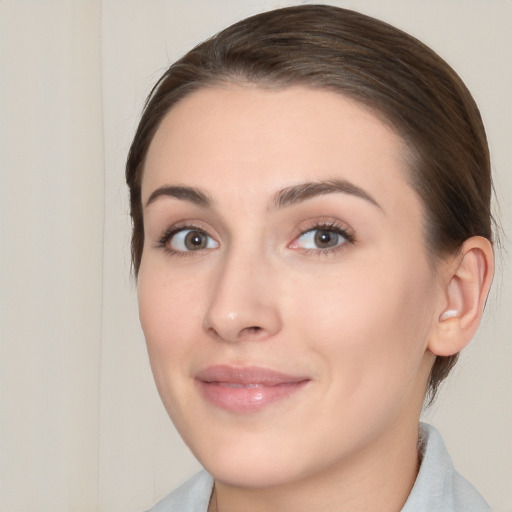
(185,240)
(321,237)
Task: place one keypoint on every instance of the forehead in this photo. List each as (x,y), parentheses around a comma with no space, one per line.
(247,138)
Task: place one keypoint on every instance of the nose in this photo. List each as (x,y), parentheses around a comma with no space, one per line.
(243,305)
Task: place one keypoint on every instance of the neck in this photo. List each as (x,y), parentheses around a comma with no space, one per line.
(378,478)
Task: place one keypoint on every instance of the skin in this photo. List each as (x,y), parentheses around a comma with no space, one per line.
(356,319)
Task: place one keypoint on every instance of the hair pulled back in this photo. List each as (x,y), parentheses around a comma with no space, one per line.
(400,79)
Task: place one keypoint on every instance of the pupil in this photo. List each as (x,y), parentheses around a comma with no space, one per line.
(326,238)
(195,240)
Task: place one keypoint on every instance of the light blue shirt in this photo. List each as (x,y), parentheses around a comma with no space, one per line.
(438,487)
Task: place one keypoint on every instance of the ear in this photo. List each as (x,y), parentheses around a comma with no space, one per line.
(466,281)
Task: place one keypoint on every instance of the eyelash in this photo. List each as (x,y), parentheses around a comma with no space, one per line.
(332,226)
(163,242)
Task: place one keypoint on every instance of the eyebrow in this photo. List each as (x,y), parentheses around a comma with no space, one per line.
(190,194)
(286,197)
(303,191)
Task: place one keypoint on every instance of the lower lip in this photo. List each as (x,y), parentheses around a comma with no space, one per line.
(252,398)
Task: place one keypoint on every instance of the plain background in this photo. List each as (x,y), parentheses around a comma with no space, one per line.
(81,425)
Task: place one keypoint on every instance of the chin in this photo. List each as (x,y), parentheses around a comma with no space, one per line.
(251,461)
(253,474)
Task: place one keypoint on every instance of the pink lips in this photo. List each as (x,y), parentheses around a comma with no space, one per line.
(246,389)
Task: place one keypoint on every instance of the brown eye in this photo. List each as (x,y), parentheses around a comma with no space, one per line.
(325,238)
(322,238)
(191,240)
(195,240)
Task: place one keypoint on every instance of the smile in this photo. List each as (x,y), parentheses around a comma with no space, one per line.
(247,389)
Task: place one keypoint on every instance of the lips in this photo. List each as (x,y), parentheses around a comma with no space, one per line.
(247,389)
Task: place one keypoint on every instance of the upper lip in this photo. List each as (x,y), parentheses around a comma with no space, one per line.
(247,375)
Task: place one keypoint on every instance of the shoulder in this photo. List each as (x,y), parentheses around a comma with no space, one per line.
(438,486)
(192,496)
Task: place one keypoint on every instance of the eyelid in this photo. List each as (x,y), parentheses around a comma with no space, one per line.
(172,231)
(178,241)
(333,225)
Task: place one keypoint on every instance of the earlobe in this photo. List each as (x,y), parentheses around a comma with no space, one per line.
(465,289)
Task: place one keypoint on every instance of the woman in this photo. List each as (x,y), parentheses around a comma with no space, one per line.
(310,196)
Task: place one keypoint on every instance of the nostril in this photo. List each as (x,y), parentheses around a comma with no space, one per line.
(249,332)
(246,332)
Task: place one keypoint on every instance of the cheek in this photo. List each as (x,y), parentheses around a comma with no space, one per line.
(170,319)
(168,312)
(369,325)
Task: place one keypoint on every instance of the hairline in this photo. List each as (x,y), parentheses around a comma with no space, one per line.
(410,154)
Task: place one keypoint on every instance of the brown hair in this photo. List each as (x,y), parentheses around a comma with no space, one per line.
(395,75)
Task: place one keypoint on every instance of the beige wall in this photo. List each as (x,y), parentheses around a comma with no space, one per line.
(81,426)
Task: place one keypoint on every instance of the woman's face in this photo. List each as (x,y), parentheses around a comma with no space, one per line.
(285,290)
